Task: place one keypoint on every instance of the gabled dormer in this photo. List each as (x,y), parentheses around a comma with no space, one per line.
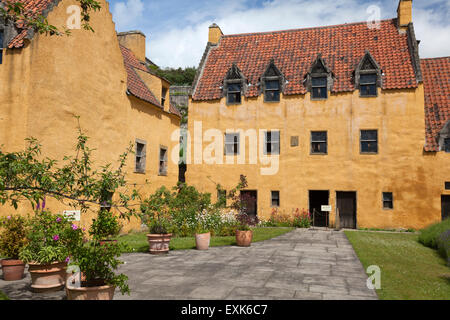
(234,85)
(272,83)
(319,79)
(368,76)
(443,138)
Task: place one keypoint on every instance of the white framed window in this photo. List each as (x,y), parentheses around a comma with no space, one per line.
(272,142)
(232,143)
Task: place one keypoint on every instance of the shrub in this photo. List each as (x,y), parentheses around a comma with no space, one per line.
(12,236)
(105,226)
(51,238)
(297,219)
(155,211)
(98,263)
(443,244)
(429,236)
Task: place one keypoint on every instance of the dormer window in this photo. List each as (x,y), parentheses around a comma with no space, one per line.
(319,79)
(272,92)
(234,85)
(368,76)
(443,138)
(234,93)
(272,83)
(319,88)
(1,46)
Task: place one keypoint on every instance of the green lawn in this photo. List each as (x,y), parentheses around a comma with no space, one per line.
(409,270)
(138,241)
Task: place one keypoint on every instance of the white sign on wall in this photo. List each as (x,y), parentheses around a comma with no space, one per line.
(73,215)
(326,209)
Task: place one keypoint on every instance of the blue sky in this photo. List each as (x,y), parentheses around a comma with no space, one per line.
(177,30)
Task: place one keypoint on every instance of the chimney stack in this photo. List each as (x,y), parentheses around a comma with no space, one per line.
(135,41)
(404,14)
(214,34)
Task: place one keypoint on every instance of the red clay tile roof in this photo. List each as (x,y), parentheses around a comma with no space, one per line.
(342,48)
(436,82)
(35,6)
(136,86)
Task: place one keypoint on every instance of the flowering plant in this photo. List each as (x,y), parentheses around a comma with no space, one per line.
(51,238)
(12,236)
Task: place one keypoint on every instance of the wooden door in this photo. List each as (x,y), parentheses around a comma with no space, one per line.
(346,204)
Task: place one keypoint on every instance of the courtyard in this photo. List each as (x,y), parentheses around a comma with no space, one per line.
(314,264)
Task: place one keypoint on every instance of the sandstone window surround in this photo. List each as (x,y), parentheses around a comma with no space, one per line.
(141,156)
(272,83)
(368,76)
(319,79)
(234,85)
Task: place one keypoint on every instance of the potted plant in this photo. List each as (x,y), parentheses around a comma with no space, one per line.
(244,235)
(51,241)
(97,263)
(155,214)
(12,240)
(202,238)
(105,227)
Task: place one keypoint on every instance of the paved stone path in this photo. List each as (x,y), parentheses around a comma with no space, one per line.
(303,264)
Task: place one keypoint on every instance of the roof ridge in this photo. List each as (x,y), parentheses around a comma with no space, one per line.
(300,29)
(435,58)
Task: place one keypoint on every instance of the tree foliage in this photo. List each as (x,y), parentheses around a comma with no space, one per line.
(177,77)
(16,11)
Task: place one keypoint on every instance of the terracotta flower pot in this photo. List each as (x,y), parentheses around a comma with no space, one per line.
(202,241)
(48,277)
(105,292)
(159,243)
(244,238)
(13,270)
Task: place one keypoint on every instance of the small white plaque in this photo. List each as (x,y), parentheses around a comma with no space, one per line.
(326,208)
(74,215)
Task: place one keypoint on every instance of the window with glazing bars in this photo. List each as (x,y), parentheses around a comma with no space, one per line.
(272,91)
(369,141)
(272,142)
(319,87)
(275,198)
(388,200)
(1,46)
(447,145)
(234,93)
(231,143)
(163,156)
(140,157)
(368,85)
(319,142)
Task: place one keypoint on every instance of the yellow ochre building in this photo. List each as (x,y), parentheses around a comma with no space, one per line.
(345,121)
(100,76)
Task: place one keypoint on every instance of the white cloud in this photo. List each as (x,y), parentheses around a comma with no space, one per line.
(179,47)
(127,14)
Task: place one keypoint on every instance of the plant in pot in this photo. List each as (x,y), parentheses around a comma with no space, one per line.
(156,215)
(105,227)
(12,240)
(52,239)
(202,232)
(244,235)
(97,263)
